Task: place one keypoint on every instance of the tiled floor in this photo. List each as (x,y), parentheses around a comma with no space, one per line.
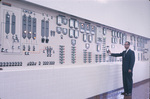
(140,91)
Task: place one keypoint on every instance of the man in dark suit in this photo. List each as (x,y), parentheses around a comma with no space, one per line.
(128,60)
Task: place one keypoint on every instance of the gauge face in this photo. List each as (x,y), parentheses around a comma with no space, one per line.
(87,45)
(112,40)
(120,41)
(90,38)
(145,41)
(65,21)
(112,33)
(58,29)
(104,31)
(76,25)
(82,27)
(98,48)
(73,42)
(121,35)
(113,46)
(134,38)
(76,34)
(98,35)
(131,38)
(138,39)
(115,34)
(118,34)
(71,33)
(59,20)
(123,38)
(71,23)
(141,40)
(93,29)
(64,31)
(84,37)
(87,28)
(116,40)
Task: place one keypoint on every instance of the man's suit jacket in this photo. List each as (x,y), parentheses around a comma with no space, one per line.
(128,59)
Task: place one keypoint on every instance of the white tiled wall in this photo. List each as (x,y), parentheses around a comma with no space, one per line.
(77,82)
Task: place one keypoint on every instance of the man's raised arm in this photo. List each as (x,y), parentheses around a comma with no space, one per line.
(115,54)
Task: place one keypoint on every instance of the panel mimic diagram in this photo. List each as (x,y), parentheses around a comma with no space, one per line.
(39,37)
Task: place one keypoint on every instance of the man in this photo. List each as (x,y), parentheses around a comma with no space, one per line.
(128,60)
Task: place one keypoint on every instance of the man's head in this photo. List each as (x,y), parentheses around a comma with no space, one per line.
(127,44)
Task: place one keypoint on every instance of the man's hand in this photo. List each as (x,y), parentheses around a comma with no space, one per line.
(109,51)
(129,71)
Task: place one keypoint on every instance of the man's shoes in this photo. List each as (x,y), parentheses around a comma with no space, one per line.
(123,93)
(128,94)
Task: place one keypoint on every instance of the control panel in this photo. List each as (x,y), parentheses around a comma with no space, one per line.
(39,37)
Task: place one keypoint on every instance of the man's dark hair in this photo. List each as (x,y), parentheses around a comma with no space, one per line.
(128,42)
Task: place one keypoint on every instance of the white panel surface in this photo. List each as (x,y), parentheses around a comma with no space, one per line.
(52,65)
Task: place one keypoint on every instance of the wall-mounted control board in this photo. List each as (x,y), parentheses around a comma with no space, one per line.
(48,54)
(38,36)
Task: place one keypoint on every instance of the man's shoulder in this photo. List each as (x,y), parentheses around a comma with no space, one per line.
(132,51)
